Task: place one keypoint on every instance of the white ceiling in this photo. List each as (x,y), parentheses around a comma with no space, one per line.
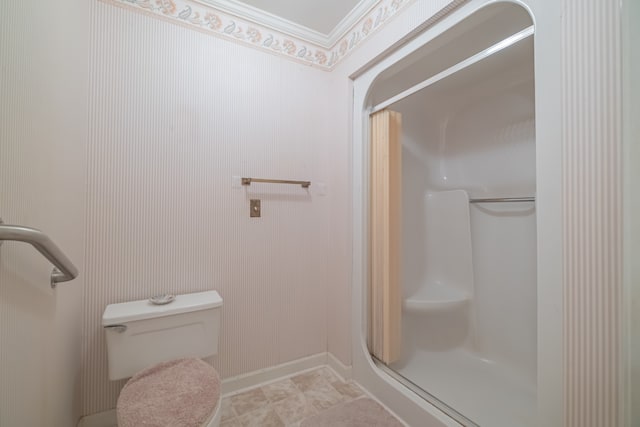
(319,15)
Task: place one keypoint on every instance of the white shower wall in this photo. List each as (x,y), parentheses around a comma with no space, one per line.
(486,148)
(174,114)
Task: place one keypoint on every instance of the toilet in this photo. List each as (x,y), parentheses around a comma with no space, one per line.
(160,348)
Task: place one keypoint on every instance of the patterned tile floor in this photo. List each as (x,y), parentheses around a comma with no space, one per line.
(287,402)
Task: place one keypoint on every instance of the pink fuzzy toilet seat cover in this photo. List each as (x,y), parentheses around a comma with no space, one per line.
(182,392)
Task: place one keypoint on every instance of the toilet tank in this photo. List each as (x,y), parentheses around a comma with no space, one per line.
(140,334)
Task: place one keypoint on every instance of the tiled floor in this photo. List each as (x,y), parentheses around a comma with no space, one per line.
(288,402)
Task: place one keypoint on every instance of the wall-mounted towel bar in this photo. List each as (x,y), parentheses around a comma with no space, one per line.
(248,181)
(503,200)
(64,269)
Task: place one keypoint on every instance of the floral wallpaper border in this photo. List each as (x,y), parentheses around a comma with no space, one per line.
(209,19)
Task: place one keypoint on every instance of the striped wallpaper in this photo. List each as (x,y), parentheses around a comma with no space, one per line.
(592,205)
(173,115)
(42,163)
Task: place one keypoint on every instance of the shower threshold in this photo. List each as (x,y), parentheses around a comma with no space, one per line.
(484,392)
(424,395)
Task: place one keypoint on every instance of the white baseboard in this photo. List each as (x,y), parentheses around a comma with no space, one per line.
(101,419)
(261,377)
(249,380)
(340,368)
(241,382)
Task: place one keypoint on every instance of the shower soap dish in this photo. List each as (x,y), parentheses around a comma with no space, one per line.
(162,299)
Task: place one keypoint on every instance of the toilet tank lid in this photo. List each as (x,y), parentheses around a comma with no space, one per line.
(143,309)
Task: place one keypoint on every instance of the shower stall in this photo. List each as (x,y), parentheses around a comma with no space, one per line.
(464,218)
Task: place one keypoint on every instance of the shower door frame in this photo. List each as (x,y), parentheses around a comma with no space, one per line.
(412,408)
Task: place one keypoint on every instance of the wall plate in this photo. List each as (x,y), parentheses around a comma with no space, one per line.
(254,208)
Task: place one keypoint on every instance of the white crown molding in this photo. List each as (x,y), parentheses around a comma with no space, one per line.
(349,21)
(268,20)
(365,19)
(285,26)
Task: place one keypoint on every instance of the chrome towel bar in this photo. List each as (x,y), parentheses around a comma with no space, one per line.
(503,199)
(64,269)
(248,181)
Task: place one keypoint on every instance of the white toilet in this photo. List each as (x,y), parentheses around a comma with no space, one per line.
(159,347)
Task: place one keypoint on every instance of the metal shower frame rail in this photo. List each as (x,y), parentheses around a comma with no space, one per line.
(501,45)
(64,269)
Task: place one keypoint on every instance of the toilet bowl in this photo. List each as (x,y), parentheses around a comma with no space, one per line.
(159,347)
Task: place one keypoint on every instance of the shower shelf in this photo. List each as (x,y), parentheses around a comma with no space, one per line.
(436,298)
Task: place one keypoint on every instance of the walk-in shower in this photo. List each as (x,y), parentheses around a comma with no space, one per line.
(466,218)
